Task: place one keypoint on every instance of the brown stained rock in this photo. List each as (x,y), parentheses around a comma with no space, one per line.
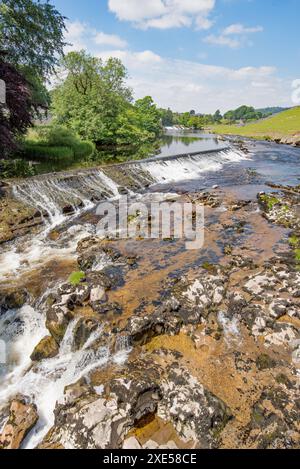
(22,418)
(46,348)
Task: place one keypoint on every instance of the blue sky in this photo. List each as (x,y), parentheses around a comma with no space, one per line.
(195,54)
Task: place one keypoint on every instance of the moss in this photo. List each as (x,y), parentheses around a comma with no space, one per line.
(297,255)
(264,362)
(269,200)
(76,277)
(294,240)
(283,379)
(209,267)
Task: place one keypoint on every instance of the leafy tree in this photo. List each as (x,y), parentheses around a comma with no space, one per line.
(92,96)
(15,113)
(31,34)
(31,41)
(149,115)
(244,113)
(167,117)
(217,117)
(94,100)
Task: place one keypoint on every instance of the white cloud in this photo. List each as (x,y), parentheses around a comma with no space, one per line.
(75,36)
(182,84)
(112,40)
(164,14)
(81,36)
(240,33)
(222,41)
(241,29)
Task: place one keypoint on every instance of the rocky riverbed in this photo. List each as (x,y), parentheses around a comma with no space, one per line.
(156,346)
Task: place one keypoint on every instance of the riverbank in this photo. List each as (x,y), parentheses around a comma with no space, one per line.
(282,128)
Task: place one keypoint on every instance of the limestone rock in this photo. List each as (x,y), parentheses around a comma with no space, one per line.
(22,418)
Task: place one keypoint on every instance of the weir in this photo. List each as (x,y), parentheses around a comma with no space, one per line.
(57,194)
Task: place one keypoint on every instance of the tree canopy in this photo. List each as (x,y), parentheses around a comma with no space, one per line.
(94,100)
(31,42)
(31,34)
(15,113)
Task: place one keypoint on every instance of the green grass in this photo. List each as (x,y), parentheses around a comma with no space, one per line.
(76,277)
(286,123)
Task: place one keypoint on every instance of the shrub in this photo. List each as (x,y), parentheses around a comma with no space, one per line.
(39,152)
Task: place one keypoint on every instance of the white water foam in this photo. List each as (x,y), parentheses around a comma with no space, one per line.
(28,254)
(44,383)
(191,167)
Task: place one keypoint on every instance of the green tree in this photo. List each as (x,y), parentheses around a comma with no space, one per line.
(94,100)
(149,115)
(31,34)
(217,117)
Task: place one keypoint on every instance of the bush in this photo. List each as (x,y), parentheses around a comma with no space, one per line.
(34,151)
(83,149)
(53,136)
(55,142)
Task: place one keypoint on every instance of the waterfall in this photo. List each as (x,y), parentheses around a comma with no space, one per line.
(52,194)
(189,167)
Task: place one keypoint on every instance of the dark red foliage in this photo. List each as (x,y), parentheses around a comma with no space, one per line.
(15,114)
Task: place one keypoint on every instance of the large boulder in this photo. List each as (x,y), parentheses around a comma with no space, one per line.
(22,418)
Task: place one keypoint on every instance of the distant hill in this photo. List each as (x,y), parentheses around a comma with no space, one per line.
(269,111)
(283,124)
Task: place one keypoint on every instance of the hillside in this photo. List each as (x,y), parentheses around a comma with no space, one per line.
(284,125)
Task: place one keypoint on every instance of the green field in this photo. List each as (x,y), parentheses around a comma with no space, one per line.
(284,124)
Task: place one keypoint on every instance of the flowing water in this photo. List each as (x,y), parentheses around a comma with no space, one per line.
(62,199)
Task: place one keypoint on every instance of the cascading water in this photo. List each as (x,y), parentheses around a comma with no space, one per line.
(190,167)
(44,383)
(51,195)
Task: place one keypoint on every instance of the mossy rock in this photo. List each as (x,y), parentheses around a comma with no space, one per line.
(46,348)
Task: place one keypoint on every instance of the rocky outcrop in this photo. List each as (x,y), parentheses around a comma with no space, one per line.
(22,418)
(140,391)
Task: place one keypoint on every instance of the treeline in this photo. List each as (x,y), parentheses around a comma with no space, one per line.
(189,119)
(200,121)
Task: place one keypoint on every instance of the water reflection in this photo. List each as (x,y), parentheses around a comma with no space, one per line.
(168,145)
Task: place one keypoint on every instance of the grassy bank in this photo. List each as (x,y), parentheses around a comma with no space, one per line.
(284,124)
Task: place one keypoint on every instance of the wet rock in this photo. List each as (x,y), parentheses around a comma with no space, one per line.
(22,418)
(83,330)
(275,419)
(108,310)
(89,421)
(62,306)
(131,443)
(265,362)
(47,348)
(195,412)
(164,321)
(14,299)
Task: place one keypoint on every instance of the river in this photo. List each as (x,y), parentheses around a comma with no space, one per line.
(41,263)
